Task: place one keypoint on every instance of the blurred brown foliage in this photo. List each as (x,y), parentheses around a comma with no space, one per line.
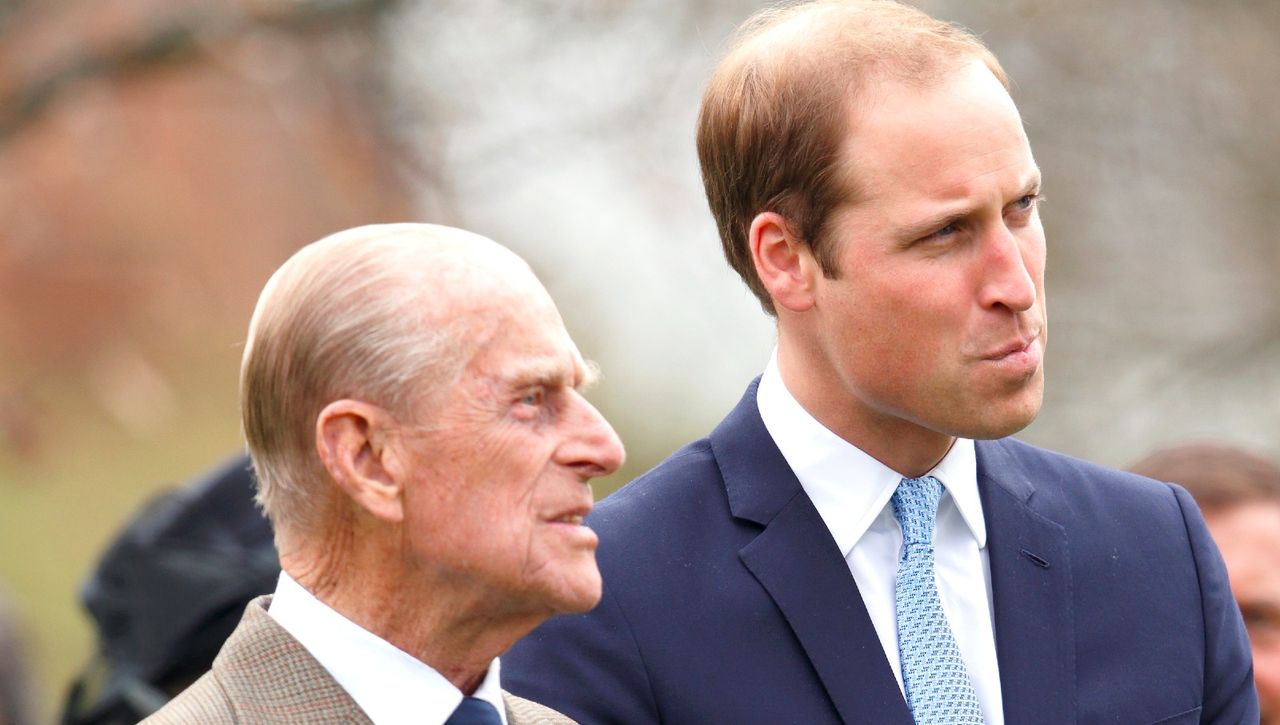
(157,159)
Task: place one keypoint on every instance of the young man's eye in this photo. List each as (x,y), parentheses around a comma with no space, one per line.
(1029,201)
(941,235)
(946,231)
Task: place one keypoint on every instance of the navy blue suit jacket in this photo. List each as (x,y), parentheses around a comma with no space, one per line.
(727,601)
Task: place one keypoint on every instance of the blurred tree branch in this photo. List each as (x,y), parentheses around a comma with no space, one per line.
(180,37)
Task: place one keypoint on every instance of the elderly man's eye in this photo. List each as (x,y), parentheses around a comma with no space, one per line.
(533,397)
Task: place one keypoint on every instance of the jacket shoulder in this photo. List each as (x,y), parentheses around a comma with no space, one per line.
(691,465)
(1066,483)
(263,675)
(689,473)
(205,701)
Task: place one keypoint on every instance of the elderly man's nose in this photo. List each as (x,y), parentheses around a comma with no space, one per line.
(593,446)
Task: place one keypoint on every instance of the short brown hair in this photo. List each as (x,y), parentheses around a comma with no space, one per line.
(1216,475)
(776,111)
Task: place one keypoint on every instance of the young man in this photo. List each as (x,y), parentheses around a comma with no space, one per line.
(859,540)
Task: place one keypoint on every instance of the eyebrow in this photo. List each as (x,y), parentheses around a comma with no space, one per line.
(552,373)
(919,229)
(1033,184)
(590,376)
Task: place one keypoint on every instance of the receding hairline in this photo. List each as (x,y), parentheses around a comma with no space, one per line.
(365,314)
(777,37)
(467,259)
(788,92)
(454,249)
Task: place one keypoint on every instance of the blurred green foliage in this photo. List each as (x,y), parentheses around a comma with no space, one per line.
(62,503)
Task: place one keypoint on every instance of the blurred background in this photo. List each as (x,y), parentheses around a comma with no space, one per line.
(159,158)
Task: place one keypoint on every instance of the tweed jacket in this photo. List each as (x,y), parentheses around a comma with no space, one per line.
(263,676)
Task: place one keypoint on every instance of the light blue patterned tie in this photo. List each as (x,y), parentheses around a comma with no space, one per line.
(937,685)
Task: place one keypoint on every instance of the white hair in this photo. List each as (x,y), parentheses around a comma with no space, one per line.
(361,314)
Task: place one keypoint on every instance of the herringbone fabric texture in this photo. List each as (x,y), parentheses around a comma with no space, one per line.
(263,676)
(526,712)
(937,684)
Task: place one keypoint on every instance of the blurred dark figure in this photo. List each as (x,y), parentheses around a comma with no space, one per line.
(168,592)
(1239,492)
(15,684)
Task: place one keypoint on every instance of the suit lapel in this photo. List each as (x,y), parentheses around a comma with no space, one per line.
(259,656)
(1031,589)
(796,561)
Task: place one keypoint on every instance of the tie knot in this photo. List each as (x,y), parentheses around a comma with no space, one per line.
(474,711)
(915,505)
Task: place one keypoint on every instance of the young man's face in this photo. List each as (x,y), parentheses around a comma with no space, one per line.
(935,323)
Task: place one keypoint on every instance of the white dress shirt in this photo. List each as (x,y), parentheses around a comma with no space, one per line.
(851,491)
(391,686)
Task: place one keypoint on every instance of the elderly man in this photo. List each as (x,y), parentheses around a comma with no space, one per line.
(414,409)
(859,540)
(1239,492)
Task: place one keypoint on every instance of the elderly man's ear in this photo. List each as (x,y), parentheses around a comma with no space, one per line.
(356,447)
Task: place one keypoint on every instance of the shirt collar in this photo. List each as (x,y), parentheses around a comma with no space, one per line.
(389,684)
(847,486)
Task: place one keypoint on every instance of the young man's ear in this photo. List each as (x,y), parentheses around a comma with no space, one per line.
(785,264)
(354,442)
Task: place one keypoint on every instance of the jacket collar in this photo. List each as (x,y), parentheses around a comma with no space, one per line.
(1031,588)
(798,563)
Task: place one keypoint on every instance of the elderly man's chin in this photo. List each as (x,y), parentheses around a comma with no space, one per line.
(570,580)
(577,589)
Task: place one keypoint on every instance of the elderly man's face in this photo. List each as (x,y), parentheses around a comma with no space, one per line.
(936,322)
(1249,537)
(500,477)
